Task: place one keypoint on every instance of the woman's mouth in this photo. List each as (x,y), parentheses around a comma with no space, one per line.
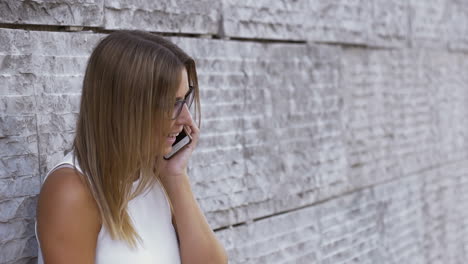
(172,137)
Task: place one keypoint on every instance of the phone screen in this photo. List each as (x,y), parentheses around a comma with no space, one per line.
(179,137)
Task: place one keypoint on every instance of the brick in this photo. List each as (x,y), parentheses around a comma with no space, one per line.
(16,166)
(58,104)
(24,42)
(18,187)
(21,84)
(375,23)
(215,156)
(429,23)
(16,230)
(59,122)
(200,17)
(17,104)
(339,240)
(16,250)
(436,211)
(456,218)
(60,84)
(390,23)
(450,111)
(458,21)
(41,65)
(220,140)
(264,19)
(21,207)
(12,146)
(221,125)
(400,209)
(339,21)
(70,12)
(23,125)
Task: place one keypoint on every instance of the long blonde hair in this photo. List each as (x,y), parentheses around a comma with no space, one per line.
(129,90)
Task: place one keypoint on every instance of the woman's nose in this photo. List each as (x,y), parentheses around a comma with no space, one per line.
(184,114)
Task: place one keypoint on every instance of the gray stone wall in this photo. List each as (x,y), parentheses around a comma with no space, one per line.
(333,131)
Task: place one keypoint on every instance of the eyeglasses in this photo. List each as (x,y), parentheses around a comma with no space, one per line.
(179,104)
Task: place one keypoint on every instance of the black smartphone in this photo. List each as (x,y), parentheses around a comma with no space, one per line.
(181,141)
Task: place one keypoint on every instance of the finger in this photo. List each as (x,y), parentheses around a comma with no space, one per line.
(192,127)
(188,130)
(194,131)
(194,137)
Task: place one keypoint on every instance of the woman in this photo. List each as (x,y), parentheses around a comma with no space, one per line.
(110,199)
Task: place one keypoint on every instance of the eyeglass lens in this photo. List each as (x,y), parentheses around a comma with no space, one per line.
(180,104)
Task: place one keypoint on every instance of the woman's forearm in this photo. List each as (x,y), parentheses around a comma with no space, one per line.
(198,243)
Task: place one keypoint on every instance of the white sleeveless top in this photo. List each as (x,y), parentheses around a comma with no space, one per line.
(151,216)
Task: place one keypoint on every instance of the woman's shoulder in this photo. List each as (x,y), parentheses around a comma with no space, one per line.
(67,214)
(68,185)
(64,191)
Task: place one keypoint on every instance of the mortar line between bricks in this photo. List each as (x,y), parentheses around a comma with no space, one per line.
(37,136)
(262,40)
(67,28)
(99,30)
(412,174)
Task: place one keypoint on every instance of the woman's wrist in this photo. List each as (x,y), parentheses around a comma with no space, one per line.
(172,181)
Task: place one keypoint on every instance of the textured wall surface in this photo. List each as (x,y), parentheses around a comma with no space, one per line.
(332,132)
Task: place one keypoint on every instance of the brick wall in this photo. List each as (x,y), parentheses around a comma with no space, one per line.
(333,131)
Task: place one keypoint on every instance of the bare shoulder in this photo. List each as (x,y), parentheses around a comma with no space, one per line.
(68,219)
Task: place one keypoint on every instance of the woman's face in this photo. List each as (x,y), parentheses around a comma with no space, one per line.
(183,119)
